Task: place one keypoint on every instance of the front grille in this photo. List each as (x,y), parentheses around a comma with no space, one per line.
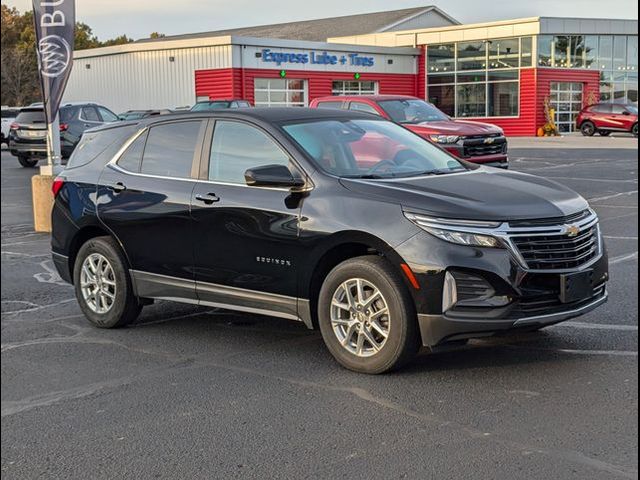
(478,146)
(558,251)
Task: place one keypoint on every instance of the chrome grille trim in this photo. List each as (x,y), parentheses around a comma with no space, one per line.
(513,238)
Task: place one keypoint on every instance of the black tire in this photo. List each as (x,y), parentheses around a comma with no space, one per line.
(125,307)
(588,129)
(403,339)
(634,130)
(27,162)
(604,133)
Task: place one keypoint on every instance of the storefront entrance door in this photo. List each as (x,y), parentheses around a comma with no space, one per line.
(566,99)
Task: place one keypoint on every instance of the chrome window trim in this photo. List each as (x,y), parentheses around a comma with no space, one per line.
(506,233)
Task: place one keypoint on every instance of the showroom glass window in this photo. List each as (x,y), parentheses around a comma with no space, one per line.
(615,56)
(280,92)
(341,87)
(478,79)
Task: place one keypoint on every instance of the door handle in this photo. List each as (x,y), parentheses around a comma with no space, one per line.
(208,198)
(117,187)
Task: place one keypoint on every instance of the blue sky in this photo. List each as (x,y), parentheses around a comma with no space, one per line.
(138,18)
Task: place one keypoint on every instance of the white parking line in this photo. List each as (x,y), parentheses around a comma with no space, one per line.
(624,258)
(607,197)
(615,353)
(598,326)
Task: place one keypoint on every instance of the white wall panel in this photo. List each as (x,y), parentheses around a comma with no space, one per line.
(145,79)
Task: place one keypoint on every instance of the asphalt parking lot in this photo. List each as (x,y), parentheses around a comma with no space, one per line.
(190,392)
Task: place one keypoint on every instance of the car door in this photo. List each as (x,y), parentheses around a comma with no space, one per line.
(247,247)
(144,199)
(621,117)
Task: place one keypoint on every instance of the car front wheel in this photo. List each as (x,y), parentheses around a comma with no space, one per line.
(102,284)
(634,130)
(366,315)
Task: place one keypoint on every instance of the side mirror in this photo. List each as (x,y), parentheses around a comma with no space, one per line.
(272,176)
(626,112)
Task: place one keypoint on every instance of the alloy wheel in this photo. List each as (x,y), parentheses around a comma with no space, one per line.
(360,317)
(97,283)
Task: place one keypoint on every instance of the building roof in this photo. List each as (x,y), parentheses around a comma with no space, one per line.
(318,29)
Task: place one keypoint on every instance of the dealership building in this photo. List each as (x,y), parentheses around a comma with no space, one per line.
(499,72)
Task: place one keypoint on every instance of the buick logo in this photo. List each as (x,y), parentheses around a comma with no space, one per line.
(55,54)
(572,230)
(489,141)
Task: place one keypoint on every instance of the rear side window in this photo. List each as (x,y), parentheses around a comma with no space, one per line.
(602,108)
(90,114)
(132,156)
(31,116)
(170,149)
(67,114)
(104,144)
(337,105)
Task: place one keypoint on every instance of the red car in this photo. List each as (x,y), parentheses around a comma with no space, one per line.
(605,118)
(473,141)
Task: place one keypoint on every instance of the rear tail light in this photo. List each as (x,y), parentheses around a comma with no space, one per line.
(14,126)
(57,186)
(64,127)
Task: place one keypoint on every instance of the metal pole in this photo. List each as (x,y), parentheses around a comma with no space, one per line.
(54,156)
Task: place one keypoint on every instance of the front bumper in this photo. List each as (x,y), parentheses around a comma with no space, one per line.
(438,329)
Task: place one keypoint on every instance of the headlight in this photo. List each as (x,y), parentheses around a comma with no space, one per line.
(444,139)
(460,232)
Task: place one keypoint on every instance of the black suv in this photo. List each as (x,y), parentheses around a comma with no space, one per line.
(27,135)
(338,219)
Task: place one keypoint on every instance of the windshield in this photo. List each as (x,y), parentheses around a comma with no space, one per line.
(206,106)
(370,149)
(412,111)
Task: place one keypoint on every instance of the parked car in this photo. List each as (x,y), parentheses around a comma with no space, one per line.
(8,117)
(209,105)
(606,118)
(286,212)
(473,141)
(138,114)
(27,135)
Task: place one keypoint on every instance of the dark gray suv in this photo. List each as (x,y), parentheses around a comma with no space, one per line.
(28,134)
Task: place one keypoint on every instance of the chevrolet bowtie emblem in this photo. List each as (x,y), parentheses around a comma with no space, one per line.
(572,230)
(489,141)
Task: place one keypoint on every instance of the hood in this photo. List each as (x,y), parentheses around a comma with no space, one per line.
(457,127)
(481,194)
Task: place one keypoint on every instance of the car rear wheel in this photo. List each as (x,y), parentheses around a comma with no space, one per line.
(588,129)
(604,133)
(27,162)
(102,284)
(367,318)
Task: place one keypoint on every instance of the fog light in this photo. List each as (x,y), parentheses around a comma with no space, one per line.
(474,291)
(449,292)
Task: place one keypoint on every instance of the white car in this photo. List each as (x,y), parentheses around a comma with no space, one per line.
(8,117)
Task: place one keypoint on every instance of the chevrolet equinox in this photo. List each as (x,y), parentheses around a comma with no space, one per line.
(338,219)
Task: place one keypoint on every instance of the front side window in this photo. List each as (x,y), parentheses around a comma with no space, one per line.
(170,149)
(412,111)
(363,107)
(369,149)
(237,147)
(107,115)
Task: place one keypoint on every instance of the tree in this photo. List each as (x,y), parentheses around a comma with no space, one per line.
(19,79)
(157,35)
